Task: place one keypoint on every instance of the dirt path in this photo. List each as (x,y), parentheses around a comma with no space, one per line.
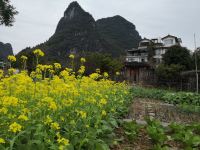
(164,112)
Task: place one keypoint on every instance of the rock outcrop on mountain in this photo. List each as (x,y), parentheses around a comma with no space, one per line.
(5,50)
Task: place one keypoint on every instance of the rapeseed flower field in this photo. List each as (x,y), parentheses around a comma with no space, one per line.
(54,109)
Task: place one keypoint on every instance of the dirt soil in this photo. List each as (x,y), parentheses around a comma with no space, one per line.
(164,112)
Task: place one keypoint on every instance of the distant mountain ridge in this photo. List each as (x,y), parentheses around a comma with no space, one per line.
(119,32)
(78,32)
(5,50)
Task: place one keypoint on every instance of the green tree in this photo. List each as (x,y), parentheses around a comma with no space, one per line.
(104,62)
(169,72)
(7,13)
(198,59)
(179,56)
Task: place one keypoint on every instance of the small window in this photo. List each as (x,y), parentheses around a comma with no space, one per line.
(142,59)
(168,41)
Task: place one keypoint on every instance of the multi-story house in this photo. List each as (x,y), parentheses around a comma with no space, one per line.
(148,55)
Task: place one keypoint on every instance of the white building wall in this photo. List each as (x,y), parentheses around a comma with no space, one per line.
(168,42)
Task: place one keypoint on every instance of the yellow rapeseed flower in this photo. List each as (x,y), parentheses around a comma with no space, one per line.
(57,66)
(103,101)
(4,110)
(53,106)
(61,147)
(23,117)
(2,141)
(117,73)
(62,118)
(25,110)
(103,113)
(94,76)
(11,58)
(98,70)
(15,127)
(63,141)
(48,120)
(68,102)
(10,101)
(71,56)
(11,71)
(81,70)
(105,74)
(83,60)
(38,52)
(24,58)
(1,73)
(83,114)
(55,126)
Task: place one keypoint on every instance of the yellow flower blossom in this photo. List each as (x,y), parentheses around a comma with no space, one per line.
(11,58)
(11,71)
(83,60)
(103,101)
(98,71)
(53,106)
(24,58)
(57,66)
(68,102)
(15,127)
(103,113)
(61,147)
(105,74)
(55,126)
(82,114)
(38,52)
(4,110)
(2,141)
(81,70)
(63,141)
(62,118)
(10,101)
(48,120)
(23,117)
(1,73)
(25,110)
(94,76)
(71,56)
(117,73)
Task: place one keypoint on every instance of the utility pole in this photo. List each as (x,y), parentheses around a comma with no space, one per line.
(196,66)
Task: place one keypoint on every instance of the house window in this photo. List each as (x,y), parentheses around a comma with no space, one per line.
(158,52)
(158,61)
(142,59)
(169,42)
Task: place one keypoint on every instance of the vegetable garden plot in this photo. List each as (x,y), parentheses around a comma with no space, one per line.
(142,108)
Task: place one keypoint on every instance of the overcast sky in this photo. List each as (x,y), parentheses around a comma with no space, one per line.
(37,19)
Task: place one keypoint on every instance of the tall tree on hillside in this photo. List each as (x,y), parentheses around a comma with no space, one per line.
(179,56)
(7,13)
